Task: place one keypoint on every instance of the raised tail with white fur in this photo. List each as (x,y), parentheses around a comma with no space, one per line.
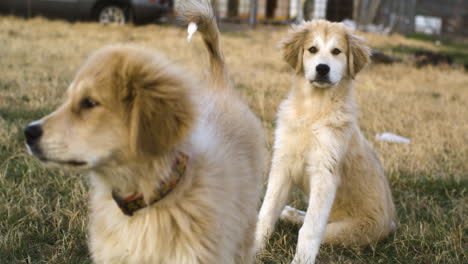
(198,14)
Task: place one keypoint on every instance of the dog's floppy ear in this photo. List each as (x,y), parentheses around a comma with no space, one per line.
(292,47)
(358,54)
(161,111)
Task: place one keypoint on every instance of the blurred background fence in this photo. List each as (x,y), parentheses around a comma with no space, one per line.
(447,17)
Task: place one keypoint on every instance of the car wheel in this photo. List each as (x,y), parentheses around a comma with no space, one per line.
(112,14)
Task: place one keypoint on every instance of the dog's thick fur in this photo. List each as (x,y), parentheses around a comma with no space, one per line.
(320,148)
(127,114)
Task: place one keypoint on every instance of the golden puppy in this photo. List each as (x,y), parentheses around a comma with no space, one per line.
(176,165)
(320,148)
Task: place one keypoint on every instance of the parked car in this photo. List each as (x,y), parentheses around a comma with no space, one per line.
(103,11)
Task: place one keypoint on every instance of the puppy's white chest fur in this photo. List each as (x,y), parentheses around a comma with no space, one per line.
(300,133)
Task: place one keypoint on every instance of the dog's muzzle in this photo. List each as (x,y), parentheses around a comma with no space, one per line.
(322,79)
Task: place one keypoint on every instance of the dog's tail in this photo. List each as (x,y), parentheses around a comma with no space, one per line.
(198,14)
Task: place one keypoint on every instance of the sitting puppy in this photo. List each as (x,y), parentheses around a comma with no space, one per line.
(320,148)
(175,165)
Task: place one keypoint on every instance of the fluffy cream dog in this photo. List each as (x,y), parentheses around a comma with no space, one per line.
(320,148)
(183,160)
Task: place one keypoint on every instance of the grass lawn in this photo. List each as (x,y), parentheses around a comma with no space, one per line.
(43,212)
(458,49)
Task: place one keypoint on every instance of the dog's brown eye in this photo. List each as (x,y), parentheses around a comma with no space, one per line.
(336,51)
(313,50)
(88,103)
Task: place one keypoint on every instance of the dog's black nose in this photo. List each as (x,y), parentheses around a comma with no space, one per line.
(322,69)
(32,133)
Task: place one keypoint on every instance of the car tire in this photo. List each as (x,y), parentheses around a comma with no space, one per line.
(113,14)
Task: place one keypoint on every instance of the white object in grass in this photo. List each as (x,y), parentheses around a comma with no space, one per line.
(191,29)
(293,215)
(389,137)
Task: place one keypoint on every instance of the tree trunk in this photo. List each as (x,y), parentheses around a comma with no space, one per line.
(233,8)
(300,15)
(308,10)
(373,9)
(253,13)
(357,11)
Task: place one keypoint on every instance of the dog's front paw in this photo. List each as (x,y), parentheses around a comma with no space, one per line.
(302,260)
(295,261)
(259,245)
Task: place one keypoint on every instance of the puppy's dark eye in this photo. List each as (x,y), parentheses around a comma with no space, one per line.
(336,51)
(88,103)
(313,50)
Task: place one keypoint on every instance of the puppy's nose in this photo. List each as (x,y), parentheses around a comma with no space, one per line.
(32,133)
(322,69)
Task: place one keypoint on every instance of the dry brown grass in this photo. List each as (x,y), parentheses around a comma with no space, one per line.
(43,213)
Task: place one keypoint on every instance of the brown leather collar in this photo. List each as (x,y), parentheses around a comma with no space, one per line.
(135,202)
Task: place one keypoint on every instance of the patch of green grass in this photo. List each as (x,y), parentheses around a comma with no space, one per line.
(425,37)
(432,228)
(22,114)
(42,217)
(459,54)
(445,40)
(7,85)
(405,49)
(458,51)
